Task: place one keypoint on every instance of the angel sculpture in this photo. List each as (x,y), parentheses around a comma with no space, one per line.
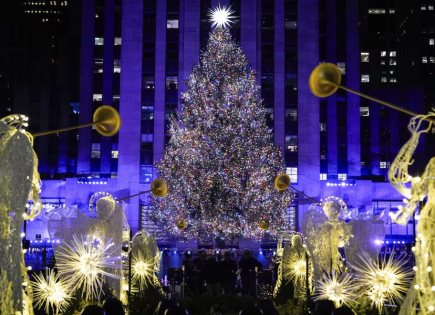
(416,189)
(19,180)
(144,284)
(327,234)
(109,226)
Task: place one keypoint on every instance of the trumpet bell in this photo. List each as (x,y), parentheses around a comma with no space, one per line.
(324,79)
(282,181)
(159,188)
(107,121)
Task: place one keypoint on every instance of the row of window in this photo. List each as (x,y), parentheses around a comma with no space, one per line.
(365,56)
(43,11)
(425,59)
(99,41)
(423,7)
(381,11)
(61,3)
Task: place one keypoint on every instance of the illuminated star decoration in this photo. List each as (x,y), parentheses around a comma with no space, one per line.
(383,281)
(86,261)
(53,292)
(221,17)
(142,270)
(298,268)
(338,289)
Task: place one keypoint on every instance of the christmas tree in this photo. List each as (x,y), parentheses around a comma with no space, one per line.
(220,162)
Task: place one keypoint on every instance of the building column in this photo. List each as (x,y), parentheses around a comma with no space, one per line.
(308,104)
(250,34)
(130,105)
(279,69)
(86,85)
(331,56)
(189,41)
(160,82)
(374,139)
(109,40)
(353,80)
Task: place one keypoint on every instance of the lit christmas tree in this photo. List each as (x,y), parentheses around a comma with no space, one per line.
(220,163)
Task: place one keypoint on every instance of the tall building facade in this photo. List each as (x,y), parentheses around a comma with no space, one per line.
(137,54)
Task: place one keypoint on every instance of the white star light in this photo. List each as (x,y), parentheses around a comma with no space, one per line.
(221,16)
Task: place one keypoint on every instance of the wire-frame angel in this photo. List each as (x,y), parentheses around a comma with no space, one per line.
(416,189)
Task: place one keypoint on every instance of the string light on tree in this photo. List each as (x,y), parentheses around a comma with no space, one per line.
(221,163)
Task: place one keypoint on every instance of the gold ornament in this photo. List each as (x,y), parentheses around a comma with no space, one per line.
(282,182)
(264,224)
(181,224)
(159,188)
(324,79)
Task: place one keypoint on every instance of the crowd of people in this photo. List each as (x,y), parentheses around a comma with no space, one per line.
(220,275)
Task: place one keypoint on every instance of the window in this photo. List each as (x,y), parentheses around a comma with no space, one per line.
(384,164)
(342,67)
(95,153)
(377,11)
(393,80)
(431,42)
(365,57)
(323,176)
(117,66)
(171,82)
(99,41)
(424,59)
(384,79)
(392,53)
(383,62)
(383,53)
(430,7)
(365,78)
(117,41)
(292,172)
(97,97)
(342,176)
(290,25)
(391,11)
(432,59)
(147,137)
(364,111)
(172,23)
(323,127)
(423,8)
(115,154)
(393,61)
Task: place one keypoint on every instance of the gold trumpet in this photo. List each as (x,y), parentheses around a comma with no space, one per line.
(106,121)
(325,80)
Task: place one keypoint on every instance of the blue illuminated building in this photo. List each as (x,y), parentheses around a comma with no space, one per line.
(136,54)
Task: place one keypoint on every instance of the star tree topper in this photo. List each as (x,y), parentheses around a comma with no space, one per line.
(221,17)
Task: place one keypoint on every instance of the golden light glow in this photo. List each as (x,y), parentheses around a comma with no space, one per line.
(142,270)
(85,263)
(383,281)
(221,17)
(338,289)
(298,268)
(51,293)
